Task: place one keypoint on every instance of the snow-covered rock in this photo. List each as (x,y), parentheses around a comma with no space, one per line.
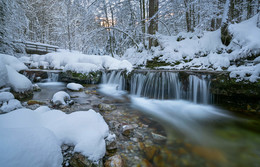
(33,138)
(29,146)
(60,98)
(74,86)
(5,96)
(18,82)
(78,62)
(11,105)
(13,62)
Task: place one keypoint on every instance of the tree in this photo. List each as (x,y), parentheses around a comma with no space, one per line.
(153,23)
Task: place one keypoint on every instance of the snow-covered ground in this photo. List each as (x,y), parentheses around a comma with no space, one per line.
(33,138)
(76,61)
(205,51)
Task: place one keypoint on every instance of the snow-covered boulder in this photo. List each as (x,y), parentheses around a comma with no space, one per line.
(18,82)
(33,138)
(11,105)
(5,96)
(60,98)
(13,62)
(74,86)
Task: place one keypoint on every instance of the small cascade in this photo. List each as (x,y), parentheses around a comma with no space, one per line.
(157,85)
(199,89)
(161,85)
(52,77)
(114,78)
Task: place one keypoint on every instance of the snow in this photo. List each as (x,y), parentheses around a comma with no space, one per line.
(60,97)
(30,147)
(41,133)
(78,62)
(74,86)
(13,62)
(205,51)
(11,105)
(5,96)
(81,67)
(18,82)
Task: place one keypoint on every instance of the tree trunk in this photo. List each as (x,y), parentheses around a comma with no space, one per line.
(225,34)
(153,25)
(187,16)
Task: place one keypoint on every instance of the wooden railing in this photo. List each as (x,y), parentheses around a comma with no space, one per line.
(38,48)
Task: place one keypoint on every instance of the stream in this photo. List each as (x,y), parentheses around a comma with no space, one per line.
(173,123)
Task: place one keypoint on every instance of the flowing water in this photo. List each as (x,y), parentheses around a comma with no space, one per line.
(186,111)
(198,133)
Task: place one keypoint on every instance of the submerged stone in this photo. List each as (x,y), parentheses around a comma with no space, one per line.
(115,161)
(79,160)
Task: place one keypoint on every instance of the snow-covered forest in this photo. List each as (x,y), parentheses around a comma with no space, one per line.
(111,27)
(117,83)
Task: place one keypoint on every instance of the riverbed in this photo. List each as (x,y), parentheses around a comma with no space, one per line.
(166,132)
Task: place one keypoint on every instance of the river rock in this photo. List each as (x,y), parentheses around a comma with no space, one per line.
(114,161)
(106,107)
(111,143)
(36,88)
(158,137)
(79,160)
(128,129)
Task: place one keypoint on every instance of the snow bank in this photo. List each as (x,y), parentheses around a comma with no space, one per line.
(30,147)
(205,51)
(78,62)
(18,82)
(74,86)
(60,97)
(246,38)
(33,138)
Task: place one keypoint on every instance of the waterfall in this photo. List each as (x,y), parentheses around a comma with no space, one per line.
(157,85)
(161,85)
(52,77)
(199,89)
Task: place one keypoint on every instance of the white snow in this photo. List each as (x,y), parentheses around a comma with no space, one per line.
(5,96)
(30,147)
(13,62)
(81,67)
(78,62)
(60,97)
(205,51)
(74,86)
(33,138)
(11,105)
(18,82)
